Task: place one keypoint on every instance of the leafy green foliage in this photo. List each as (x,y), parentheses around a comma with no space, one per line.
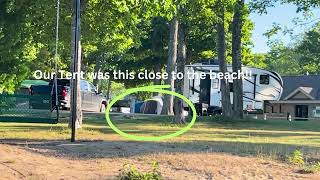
(115,35)
(296,158)
(130,172)
(309,51)
(301,58)
(283,60)
(313,168)
(259,60)
(302,5)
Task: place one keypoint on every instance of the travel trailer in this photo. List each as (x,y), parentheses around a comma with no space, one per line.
(259,86)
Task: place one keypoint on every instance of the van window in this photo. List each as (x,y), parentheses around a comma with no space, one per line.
(264,79)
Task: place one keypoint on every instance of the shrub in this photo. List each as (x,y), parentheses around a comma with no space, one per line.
(130,172)
(314,168)
(296,158)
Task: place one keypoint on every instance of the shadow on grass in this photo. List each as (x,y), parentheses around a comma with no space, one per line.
(216,122)
(257,124)
(111,149)
(115,148)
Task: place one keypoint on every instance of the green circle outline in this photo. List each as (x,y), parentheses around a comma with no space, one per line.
(155,88)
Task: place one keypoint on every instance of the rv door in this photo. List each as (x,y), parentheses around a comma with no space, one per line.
(215,94)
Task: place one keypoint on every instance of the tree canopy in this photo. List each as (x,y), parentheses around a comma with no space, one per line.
(114,33)
(300,58)
(132,35)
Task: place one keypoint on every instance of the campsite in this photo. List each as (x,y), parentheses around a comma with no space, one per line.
(157,90)
(250,149)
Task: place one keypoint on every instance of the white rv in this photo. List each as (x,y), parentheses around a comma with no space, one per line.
(258,86)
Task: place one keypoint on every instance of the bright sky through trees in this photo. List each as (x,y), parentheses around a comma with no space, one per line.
(283,15)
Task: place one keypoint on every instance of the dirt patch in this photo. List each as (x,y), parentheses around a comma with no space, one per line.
(103,160)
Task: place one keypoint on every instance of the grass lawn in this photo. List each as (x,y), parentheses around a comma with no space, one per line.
(272,138)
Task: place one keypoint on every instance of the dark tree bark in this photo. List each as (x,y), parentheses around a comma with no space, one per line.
(181,61)
(172,58)
(221,50)
(76,111)
(236,58)
(156,68)
(156,55)
(109,91)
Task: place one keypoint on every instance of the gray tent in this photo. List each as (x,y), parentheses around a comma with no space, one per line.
(152,106)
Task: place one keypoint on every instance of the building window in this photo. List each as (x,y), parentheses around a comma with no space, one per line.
(264,79)
(317,111)
(280,108)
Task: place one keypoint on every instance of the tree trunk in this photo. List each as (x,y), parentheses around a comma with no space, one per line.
(156,57)
(221,50)
(172,57)
(76,112)
(181,61)
(156,69)
(236,59)
(109,91)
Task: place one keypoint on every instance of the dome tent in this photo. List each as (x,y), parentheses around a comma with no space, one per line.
(152,106)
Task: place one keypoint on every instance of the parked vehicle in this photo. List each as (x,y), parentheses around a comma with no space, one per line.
(260,86)
(91,99)
(41,97)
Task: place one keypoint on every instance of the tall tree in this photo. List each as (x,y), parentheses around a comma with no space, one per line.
(301,57)
(181,61)
(159,40)
(172,58)
(309,51)
(236,58)
(221,51)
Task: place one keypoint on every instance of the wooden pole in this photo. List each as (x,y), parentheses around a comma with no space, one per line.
(76,113)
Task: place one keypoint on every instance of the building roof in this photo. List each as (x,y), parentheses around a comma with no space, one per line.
(307,84)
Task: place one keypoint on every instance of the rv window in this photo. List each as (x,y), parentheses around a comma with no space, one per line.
(231,87)
(215,84)
(264,79)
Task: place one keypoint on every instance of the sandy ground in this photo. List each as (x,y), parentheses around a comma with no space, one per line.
(103,160)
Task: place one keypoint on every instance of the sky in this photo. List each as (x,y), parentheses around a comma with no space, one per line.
(283,15)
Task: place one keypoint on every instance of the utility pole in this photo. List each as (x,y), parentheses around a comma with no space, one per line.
(76,112)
